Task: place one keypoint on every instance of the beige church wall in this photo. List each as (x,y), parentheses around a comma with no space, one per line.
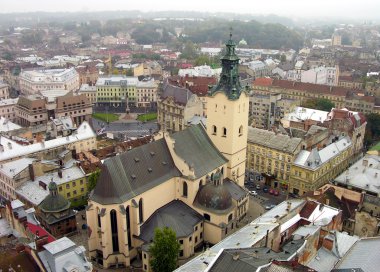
(212,233)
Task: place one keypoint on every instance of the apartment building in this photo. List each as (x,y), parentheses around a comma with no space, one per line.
(4,91)
(272,154)
(267,110)
(34,81)
(38,109)
(8,108)
(89,91)
(312,169)
(321,75)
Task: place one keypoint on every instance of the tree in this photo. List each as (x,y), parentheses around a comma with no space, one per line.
(164,250)
(93,179)
(318,104)
(372,129)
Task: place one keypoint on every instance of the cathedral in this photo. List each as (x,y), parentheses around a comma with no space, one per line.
(191,181)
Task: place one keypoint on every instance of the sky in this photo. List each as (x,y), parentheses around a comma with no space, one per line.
(297,8)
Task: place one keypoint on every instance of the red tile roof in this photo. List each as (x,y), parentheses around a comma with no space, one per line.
(263,81)
(41,232)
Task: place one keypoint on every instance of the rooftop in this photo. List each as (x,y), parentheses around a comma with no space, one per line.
(270,139)
(13,150)
(13,168)
(302,114)
(32,192)
(364,174)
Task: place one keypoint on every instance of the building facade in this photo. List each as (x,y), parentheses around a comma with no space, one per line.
(312,169)
(4,91)
(8,108)
(272,155)
(34,81)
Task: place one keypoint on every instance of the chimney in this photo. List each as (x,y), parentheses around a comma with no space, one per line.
(365,162)
(31,172)
(60,173)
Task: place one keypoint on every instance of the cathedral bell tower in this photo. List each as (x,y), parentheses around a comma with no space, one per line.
(227,115)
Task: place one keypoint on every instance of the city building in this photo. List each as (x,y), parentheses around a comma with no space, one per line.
(342,122)
(200,71)
(266,111)
(272,155)
(291,231)
(255,69)
(38,109)
(89,91)
(321,75)
(118,91)
(199,175)
(34,81)
(304,118)
(8,108)
(176,106)
(82,139)
(64,255)
(312,169)
(340,96)
(88,74)
(55,215)
(362,176)
(4,91)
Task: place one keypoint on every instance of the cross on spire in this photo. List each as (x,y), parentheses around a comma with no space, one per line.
(231,33)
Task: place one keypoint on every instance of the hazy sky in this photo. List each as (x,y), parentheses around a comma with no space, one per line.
(299,8)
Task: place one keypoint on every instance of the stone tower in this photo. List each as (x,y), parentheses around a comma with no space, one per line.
(227,115)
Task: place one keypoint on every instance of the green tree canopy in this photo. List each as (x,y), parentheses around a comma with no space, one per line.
(164,250)
(372,129)
(93,179)
(318,104)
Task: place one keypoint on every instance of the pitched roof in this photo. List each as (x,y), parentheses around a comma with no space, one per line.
(195,147)
(175,215)
(134,172)
(272,140)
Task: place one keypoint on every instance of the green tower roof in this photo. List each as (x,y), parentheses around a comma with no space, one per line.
(229,82)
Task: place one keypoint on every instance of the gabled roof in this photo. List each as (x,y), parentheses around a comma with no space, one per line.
(134,172)
(195,147)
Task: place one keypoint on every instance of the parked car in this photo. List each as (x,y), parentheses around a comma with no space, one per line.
(254,193)
(258,187)
(276,193)
(271,191)
(266,190)
(270,206)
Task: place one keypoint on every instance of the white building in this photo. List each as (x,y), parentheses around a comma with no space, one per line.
(200,71)
(321,75)
(64,255)
(211,51)
(33,81)
(301,114)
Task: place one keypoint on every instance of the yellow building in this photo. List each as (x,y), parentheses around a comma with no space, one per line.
(313,169)
(188,181)
(116,91)
(272,154)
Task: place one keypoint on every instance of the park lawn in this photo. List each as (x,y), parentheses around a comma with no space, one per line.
(147,116)
(110,117)
(375,147)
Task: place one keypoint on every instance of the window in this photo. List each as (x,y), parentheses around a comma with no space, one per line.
(144,256)
(240,130)
(75,192)
(196,239)
(214,130)
(206,216)
(190,238)
(141,210)
(60,188)
(115,238)
(201,235)
(181,242)
(68,195)
(99,220)
(196,228)
(67,186)
(184,189)
(230,217)
(224,132)
(181,253)
(81,182)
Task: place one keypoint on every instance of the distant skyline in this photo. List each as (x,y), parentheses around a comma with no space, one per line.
(363,9)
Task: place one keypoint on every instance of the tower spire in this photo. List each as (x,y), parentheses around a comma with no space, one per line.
(229,82)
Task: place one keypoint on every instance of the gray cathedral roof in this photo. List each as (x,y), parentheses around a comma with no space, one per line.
(129,174)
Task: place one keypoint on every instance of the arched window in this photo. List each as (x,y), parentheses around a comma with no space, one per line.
(214,130)
(240,130)
(230,217)
(141,215)
(99,219)
(224,132)
(200,183)
(216,107)
(222,170)
(115,238)
(128,218)
(184,189)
